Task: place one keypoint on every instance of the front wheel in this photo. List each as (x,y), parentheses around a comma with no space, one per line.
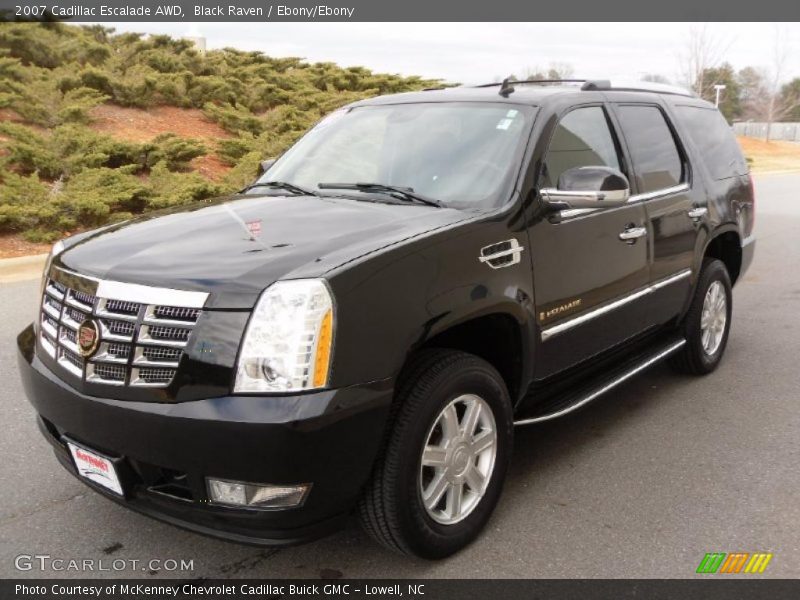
(708,321)
(441,472)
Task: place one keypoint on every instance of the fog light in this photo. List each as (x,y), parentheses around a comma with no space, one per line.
(255,495)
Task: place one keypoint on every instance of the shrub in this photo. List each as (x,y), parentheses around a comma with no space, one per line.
(53,75)
(174,152)
(135,87)
(76,104)
(28,152)
(173,89)
(173,189)
(233,149)
(210,88)
(234,119)
(42,101)
(21,199)
(81,148)
(244,172)
(90,197)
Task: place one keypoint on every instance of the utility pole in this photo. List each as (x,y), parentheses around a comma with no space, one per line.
(718,88)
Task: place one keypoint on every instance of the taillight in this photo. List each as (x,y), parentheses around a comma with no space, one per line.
(752,203)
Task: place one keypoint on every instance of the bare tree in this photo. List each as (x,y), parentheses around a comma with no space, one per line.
(703,51)
(560,70)
(766,99)
(751,86)
(556,70)
(654,78)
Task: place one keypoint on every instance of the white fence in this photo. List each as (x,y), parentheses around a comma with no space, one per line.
(779,131)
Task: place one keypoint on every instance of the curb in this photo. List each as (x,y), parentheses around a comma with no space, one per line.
(22,268)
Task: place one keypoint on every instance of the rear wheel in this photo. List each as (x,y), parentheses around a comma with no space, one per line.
(440,474)
(708,321)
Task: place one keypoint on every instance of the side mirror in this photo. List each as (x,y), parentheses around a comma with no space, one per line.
(588,187)
(264,166)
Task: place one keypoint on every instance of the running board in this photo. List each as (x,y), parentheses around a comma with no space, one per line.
(572,402)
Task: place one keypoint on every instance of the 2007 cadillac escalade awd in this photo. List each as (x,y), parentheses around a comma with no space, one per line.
(363,327)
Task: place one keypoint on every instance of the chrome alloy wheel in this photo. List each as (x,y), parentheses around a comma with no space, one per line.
(458,459)
(714,317)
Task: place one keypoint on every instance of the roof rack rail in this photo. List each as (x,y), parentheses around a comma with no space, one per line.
(513,81)
(507,86)
(636,86)
(596,85)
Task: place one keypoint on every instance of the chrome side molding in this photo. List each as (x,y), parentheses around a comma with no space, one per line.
(606,308)
(576,212)
(675,189)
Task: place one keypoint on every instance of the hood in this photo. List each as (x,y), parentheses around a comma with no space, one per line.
(233,249)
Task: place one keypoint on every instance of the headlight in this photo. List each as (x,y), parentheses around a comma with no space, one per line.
(57,249)
(287,344)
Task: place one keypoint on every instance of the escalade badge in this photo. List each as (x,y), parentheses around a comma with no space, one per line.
(88,337)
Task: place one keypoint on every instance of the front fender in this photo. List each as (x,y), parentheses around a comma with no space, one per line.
(396,301)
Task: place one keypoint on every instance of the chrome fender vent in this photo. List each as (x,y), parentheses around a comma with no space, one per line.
(502,254)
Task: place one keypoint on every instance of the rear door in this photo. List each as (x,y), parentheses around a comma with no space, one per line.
(588,281)
(662,185)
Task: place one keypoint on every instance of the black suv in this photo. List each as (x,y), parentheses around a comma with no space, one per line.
(363,327)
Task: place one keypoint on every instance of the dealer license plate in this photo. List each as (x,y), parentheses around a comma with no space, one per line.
(95,468)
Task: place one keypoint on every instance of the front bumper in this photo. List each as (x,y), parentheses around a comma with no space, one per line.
(164,452)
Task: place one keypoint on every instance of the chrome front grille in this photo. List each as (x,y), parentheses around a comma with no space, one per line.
(118,351)
(69,335)
(122,308)
(153,376)
(176,313)
(71,361)
(143,330)
(159,354)
(167,334)
(106,372)
(122,330)
(82,297)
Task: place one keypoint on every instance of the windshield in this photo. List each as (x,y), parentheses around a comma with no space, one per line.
(463,155)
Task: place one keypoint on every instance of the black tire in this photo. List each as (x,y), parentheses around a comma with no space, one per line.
(391,509)
(693,358)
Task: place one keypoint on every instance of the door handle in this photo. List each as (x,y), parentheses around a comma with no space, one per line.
(697,213)
(630,235)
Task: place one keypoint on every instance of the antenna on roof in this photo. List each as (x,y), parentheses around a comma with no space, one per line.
(506,88)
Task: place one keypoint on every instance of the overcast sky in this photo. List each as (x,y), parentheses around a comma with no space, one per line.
(477,52)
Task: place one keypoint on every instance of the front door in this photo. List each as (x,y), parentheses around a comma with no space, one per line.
(589,282)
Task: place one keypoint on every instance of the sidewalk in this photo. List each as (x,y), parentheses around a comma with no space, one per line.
(23,268)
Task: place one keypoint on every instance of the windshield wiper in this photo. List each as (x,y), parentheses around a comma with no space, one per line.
(404,193)
(281,185)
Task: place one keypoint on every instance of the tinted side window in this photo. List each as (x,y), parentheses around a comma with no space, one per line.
(581,139)
(656,160)
(714,140)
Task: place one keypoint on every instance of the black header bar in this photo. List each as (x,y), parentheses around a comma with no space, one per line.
(712,588)
(259,11)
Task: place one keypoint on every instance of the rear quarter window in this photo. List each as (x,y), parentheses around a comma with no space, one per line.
(714,140)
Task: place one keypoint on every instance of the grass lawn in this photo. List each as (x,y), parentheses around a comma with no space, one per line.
(771,156)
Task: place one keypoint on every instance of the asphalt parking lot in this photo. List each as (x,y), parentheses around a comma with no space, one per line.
(640,484)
